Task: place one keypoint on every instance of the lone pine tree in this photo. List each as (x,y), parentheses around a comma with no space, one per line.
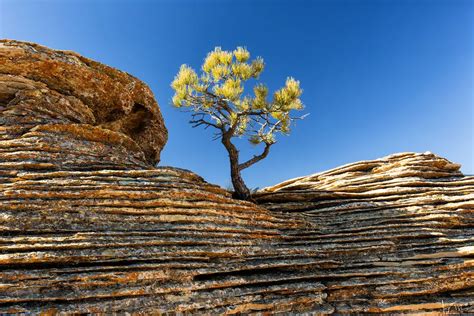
(216,99)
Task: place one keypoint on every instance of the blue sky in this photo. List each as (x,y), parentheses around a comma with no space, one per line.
(379,76)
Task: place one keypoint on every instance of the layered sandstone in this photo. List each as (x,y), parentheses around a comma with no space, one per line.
(51,87)
(88,225)
(402,228)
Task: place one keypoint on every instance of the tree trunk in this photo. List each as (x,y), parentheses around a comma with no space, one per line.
(241,191)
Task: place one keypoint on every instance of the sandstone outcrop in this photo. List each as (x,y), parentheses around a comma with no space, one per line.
(88,225)
(401,228)
(59,87)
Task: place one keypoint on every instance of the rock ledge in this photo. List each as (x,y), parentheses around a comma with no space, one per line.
(64,87)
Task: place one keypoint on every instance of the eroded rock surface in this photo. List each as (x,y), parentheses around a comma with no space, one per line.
(401,228)
(87,225)
(40,86)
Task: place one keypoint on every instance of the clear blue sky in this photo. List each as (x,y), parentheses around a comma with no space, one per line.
(379,77)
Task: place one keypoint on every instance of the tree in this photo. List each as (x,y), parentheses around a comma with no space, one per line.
(216,99)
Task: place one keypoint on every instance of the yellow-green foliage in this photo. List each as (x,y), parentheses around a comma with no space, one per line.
(218,92)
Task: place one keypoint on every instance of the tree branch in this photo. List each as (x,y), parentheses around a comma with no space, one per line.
(250,113)
(256,158)
(200,122)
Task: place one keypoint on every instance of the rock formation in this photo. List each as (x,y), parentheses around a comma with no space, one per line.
(88,225)
(402,228)
(58,88)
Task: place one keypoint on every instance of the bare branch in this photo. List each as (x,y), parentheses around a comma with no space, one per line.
(250,113)
(200,122)
(256,158)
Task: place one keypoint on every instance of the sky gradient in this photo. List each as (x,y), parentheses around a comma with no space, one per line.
(379,77)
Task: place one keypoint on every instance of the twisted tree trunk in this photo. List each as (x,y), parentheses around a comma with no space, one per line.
(241,191)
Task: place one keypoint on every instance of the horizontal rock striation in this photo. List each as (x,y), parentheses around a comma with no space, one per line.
(88,225)
(403,225)
(148,241)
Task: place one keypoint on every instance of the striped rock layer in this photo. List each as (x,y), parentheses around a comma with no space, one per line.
(401,227)
(88,225)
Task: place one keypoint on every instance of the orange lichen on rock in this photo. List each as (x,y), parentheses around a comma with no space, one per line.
(81,90)
(88,225)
